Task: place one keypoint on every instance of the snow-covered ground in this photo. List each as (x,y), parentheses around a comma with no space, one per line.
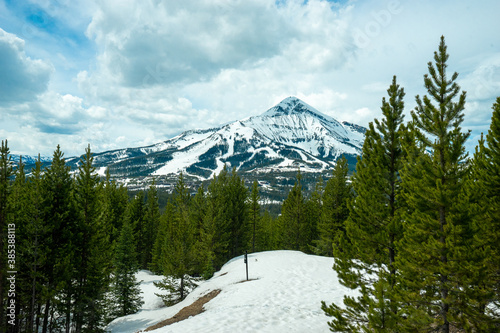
(284,294)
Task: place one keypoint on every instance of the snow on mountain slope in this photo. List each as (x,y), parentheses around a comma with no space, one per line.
(289,135)
(284,294)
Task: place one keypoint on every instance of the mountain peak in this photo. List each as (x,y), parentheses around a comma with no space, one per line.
(288,106)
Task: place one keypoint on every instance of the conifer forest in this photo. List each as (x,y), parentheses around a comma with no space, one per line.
(415,228)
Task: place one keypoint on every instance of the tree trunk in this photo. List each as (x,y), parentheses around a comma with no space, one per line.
(46,316)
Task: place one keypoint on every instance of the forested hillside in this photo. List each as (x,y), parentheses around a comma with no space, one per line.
(416,229)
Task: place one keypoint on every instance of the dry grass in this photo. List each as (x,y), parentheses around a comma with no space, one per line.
(186,312)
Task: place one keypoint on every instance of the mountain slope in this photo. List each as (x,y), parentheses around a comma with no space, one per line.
(284,294)
(291,134)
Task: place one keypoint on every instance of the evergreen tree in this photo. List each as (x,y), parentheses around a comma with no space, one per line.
(482,202)
(434,251)
(135,214)
(293,218)
(151,222)
(34,249)
(178,261)
(491,180)
(18,210)
(125,288)
(313,208)
(61,227)
(254,211)
(236,194)
(161,241)
(115,202)
(198,208)
(270,233)
(6,171)
(93,255)
(215,234)
(335,209)
(366,256)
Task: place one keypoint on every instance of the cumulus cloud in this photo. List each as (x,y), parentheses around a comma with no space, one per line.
(224,59)
(152,69)
(147,43)
(23,78)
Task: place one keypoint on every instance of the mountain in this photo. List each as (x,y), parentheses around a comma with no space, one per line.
(29,160)
(283,294)
(290,135)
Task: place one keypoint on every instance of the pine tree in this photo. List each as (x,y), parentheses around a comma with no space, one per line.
(125,288)
(491,179)
(254,211)
(18,210)
(115,202)
(61,227)
(93,253)
(135,214)
(335,210)
(483,200)
(198,209)
(151,222)
(293,218)
(161,241)
(236,194)
(213,234)
(178,261)
(313,207)
(6,171)
(366,256)
(433,252)
(34,248)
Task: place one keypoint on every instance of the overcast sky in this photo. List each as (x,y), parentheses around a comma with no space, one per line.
(130,73)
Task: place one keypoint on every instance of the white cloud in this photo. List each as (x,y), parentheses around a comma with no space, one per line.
(162,67)
(22,77)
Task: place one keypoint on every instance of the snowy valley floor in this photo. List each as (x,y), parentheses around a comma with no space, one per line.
(284,295)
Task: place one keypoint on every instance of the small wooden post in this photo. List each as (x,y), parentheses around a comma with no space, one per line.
(246,262)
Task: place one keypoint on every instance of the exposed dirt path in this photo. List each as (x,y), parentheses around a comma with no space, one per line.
(186,312)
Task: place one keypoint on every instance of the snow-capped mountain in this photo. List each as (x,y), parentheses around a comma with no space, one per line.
(29,160)
(291,134)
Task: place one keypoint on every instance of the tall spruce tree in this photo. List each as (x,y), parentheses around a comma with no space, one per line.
(161,241)
(136,210)
(178,261)
(61,227)
(254,211)
(491,180)
(483,204)
(335,209)
(115,202)
(367,254)
(236,195)
(6,171)
(125,287)
(36,248)
(313,207)
(434,250)
(17,217)
(198,210)
(293,218)
(93,253)
(214,234)
(151,222)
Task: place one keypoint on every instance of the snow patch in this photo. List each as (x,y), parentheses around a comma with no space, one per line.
(284,295)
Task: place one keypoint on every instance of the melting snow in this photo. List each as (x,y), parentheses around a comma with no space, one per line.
(284,294)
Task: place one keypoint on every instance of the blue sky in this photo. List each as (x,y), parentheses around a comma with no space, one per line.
(129,73)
